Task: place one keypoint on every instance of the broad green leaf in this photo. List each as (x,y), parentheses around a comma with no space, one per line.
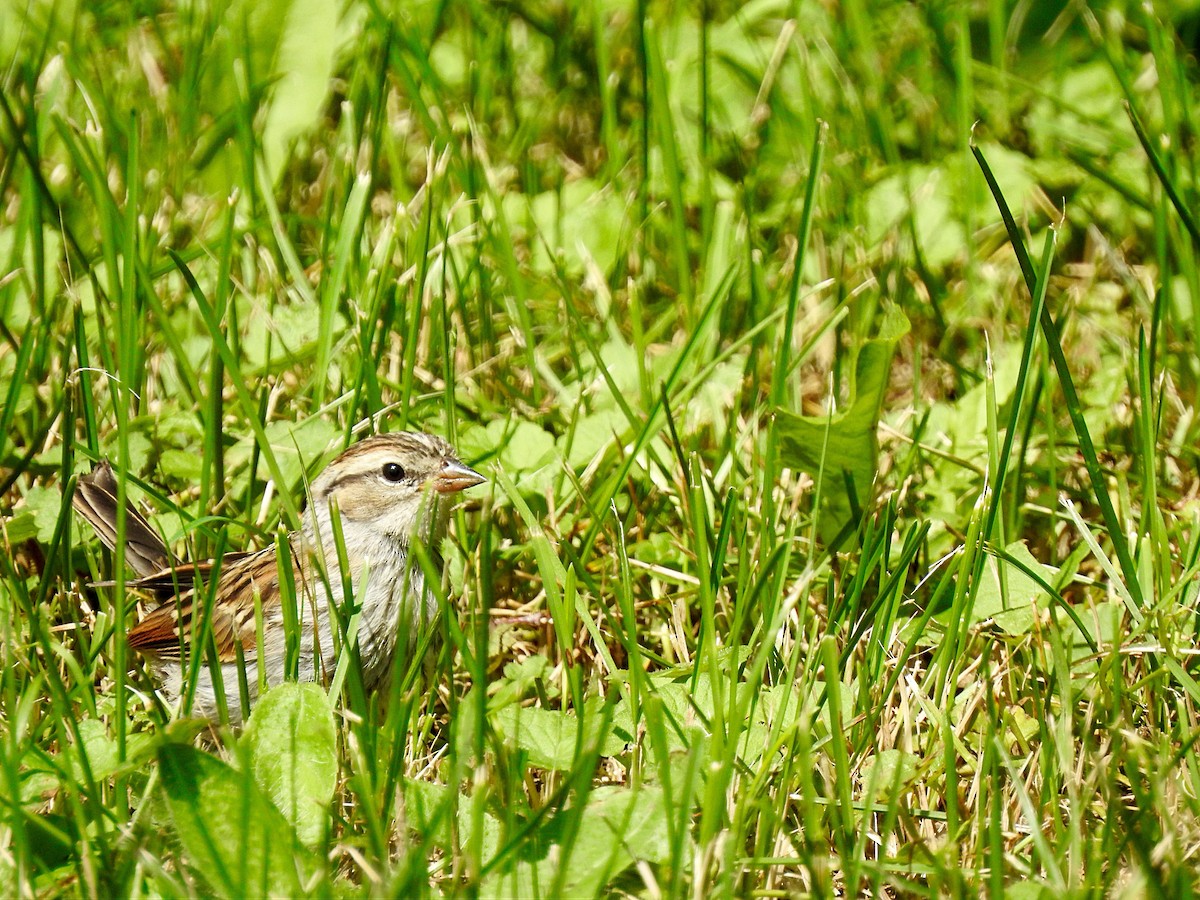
(45,504)
(101,750)
(20,528)
(140,448)
(295,445)
(683,710)
(582,221)
(592,435)
(287,333)
(637,819)
(52,839)
(959,428)
(926,195)
(293,753)
(888,771)
(718,394)
(1033,890)
(1021,727)
(430,809)
(288,48)
(1007,595)
(231,834)
(519,678)
(303,67)
(1081,109)
(524,450)
(618,827)
(183,465)
(843,449)
(938,200)
(551,737)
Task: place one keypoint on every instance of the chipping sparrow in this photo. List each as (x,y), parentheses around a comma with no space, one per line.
(386,489)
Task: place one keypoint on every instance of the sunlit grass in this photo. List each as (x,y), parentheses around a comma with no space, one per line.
(840,536)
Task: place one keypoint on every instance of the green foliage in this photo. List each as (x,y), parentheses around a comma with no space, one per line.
(248,830)
(293,754)
(554,740)
(833,367)
(841,450)
(234,838)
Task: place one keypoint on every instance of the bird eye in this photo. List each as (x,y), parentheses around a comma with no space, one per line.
(393,472)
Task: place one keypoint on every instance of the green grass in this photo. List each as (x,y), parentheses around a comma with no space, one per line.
(834,372)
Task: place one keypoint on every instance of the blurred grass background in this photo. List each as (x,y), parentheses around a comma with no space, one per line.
(842,537)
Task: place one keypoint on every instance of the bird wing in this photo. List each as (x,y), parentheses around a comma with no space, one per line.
(166,583)
(158,633)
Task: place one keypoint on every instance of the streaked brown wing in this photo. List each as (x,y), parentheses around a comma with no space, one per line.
(95,498)
(158,634)
(167,582)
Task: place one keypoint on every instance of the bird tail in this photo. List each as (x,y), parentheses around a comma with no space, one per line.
(95,499)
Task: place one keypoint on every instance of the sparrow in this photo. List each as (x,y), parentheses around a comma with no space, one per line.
(387,490)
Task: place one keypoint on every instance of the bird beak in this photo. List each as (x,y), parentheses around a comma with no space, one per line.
(454,477)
